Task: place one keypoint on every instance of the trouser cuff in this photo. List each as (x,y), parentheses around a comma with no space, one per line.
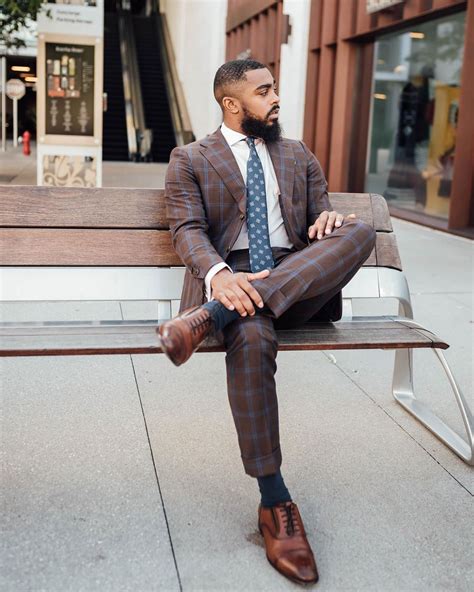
(263,465)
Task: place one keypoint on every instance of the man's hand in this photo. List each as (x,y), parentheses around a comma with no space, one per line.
(325,223)
(235,291)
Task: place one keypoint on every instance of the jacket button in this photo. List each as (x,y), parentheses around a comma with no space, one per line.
(242,216)
(195,271)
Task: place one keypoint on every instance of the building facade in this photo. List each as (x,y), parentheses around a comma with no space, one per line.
(383,92)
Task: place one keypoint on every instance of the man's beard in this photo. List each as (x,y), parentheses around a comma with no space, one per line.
(260,128)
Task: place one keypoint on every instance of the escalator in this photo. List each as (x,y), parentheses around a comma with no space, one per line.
(146,113)
(115,144)
(155,99)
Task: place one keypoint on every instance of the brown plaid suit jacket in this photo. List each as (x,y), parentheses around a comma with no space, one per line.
(206,202)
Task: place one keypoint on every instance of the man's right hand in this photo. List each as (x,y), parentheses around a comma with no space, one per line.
(235,291)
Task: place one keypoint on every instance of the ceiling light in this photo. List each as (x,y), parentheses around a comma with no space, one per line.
(20,68)
(31,78)
(380,96)
(415,35)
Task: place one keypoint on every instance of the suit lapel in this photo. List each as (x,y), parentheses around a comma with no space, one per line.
(216,150)
(284,163)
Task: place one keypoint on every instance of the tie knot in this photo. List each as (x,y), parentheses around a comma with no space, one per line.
(250,141)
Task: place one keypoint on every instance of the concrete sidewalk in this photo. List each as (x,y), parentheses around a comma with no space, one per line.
(123,472)
(18,169)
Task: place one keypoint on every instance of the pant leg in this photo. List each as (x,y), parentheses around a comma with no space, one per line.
(251,342)
(303,311)
(320,269)
(251,347)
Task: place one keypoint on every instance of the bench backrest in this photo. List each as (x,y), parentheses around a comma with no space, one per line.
(50,226)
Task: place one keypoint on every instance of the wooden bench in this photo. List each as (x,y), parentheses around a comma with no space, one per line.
(69,244)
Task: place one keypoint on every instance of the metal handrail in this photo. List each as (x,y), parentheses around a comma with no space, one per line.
(127,91)
(179,113)
(138,135)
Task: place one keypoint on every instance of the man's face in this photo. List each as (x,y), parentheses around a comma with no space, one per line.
(260,106)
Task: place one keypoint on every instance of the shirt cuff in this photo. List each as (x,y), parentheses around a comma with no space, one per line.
(210,274)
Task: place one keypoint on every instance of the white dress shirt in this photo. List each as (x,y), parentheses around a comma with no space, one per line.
(276,228)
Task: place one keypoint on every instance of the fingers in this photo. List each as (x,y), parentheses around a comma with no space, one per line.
(224,300)
(240,301)
(240,295)
(329,224)
(339,220)
(245,301)
(260,275)
(325,224)
(320,223)
(252,293)
(231,301)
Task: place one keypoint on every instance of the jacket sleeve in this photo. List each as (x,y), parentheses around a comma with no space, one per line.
(187,216)
(318,199)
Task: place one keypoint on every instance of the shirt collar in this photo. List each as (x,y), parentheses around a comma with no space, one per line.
(232,137)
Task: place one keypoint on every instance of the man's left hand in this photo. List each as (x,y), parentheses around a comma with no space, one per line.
(325,224)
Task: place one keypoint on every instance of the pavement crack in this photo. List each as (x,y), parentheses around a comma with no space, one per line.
(341,369)
(157,478)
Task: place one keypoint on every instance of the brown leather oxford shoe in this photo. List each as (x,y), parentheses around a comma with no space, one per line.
(286,544)
(180,337)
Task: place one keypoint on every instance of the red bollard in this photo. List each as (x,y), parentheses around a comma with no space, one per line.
(26,143)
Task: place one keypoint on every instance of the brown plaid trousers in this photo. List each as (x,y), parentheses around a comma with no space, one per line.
(205,200)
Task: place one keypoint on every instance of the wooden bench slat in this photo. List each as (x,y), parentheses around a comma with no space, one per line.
(55,226)
(78,207)
(386,251)
(372,258)
(369,207)
(73,247)
(131,337)
(35,246)
(380,213)
(117,207)
(353,203)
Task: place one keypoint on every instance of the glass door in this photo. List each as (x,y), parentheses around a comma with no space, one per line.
(414,114)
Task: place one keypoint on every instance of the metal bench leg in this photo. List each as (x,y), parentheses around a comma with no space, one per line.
(402,389)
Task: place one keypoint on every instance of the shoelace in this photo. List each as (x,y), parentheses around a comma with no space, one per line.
(289,519)
(197,322)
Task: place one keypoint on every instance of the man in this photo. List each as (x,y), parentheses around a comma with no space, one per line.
(250,218)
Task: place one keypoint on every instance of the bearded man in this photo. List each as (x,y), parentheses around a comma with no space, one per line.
(251,220)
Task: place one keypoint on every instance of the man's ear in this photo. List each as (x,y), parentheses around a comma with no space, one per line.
(231,105)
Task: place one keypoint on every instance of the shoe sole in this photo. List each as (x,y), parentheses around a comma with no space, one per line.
(164,349)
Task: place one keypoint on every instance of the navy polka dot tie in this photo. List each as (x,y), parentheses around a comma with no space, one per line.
(260,252)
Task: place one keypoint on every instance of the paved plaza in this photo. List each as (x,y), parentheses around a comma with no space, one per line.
(19,169)
(122,473)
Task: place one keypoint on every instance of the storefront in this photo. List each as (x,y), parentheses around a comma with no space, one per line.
(414,115)
(389,102)
(389,90)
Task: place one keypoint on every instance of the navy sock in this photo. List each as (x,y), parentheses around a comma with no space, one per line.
(221,316)
(273,490)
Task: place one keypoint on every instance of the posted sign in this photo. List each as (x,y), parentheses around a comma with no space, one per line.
(69,93)
(69,89)
(15,88)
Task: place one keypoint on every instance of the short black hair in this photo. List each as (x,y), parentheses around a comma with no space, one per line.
(230,73)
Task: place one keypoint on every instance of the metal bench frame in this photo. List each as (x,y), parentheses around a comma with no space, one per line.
(164,286)
(393,284)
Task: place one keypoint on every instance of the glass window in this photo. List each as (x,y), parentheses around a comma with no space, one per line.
(414,114)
